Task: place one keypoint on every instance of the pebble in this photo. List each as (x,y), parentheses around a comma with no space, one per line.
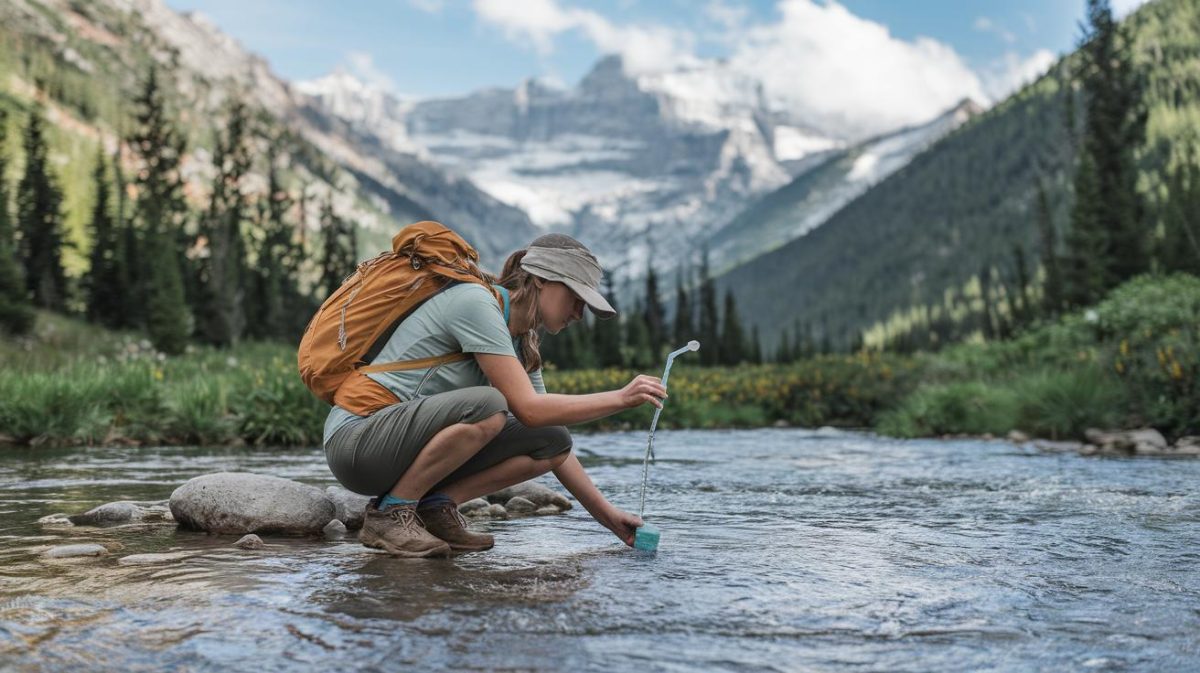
(334,528)
(70,550)
(250,541)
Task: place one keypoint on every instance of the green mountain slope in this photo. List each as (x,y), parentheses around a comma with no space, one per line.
(959,207)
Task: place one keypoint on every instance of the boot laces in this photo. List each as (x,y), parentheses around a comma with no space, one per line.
(407,517)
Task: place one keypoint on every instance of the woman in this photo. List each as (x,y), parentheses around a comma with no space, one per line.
(472,427)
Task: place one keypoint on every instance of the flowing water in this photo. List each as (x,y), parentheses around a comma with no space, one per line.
(781,550)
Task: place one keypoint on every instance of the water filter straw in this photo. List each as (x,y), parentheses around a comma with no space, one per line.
(646,537)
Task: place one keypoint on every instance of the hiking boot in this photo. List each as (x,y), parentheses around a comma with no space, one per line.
(447,524)
(399,531)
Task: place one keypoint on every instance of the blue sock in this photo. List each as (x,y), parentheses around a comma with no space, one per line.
(389,500)
(435,500)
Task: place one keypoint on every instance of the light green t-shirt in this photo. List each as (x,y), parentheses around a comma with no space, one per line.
(466,318)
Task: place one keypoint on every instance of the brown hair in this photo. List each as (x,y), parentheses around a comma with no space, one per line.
(523,302)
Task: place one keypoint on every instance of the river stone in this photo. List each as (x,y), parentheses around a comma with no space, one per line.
(1017,437)
(496,511)
(1187,446)
(235,502)
(471,506)
(334,528)
(124,511)
(533,492)
(1145,441)
(150,559)
(250,541)
(349,507)
(548,509)
(70,550)
(56,519)
(519,505)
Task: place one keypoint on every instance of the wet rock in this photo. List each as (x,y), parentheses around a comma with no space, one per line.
(152,559)
(780,423)
(250,541)
(519,505)
(471,506)
(124,511)
(334,529)
(1145,441)
(548,509)
(1051,446)
(235,502)
(496,512)
(349,507)
(1187,446)
(534,492)
(1017,437)
(56,519)
(72,550)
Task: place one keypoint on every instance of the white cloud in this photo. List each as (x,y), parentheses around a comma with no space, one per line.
(985,25)
(850,76)
(539,22)
(362,65)
(1012,72)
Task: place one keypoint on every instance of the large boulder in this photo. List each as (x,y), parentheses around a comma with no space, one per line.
(236,503)
(349,507)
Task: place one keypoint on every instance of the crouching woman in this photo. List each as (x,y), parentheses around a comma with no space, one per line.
(474,426)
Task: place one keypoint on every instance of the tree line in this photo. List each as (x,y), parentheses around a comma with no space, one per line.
(239,269)
(1111,233)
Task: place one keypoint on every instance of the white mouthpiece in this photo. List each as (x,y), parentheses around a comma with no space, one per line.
(693,345)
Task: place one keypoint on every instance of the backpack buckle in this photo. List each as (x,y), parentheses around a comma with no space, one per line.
(416,263)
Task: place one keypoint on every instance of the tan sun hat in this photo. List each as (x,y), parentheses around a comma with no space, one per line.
(559,257)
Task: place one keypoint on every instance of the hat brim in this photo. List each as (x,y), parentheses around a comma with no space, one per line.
(595,301)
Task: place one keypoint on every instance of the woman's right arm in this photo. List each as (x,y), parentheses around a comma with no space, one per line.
(533,410)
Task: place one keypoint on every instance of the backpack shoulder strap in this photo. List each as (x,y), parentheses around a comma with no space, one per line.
(505,300)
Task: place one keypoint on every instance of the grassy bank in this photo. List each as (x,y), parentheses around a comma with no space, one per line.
(1132,360)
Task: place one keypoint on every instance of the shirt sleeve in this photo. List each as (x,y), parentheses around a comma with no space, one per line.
(535,377)
(474,320)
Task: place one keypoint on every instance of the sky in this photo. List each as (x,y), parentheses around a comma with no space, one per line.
(868,65)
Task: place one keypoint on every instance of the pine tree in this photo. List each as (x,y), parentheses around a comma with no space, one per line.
(277,301)
(223,272)
(684,328)
(654,315)
(756,354)
(1108,209)
(709,325)
(160,210)
(1022,306)
(337,254)
(1180,248)
(733,338)
(637,340)
(105,279)
(607,333)
(1052,295)
(16,313)
(39,216)
(987,314)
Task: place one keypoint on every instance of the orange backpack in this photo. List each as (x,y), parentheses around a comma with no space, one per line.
(356,321)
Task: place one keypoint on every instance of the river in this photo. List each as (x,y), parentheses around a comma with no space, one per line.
(782,550)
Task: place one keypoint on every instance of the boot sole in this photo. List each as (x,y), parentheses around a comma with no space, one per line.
(376,543)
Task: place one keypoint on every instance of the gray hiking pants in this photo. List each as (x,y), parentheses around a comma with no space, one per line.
(369,455)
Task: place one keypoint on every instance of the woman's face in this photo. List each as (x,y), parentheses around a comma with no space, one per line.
(559,305)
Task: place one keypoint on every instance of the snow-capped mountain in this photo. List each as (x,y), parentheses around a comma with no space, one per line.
(366,171)
(628,164)
(816,194)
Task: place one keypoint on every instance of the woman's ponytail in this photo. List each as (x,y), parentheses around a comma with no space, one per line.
(523,303)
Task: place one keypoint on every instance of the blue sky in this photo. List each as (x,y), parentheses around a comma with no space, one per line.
(427,48)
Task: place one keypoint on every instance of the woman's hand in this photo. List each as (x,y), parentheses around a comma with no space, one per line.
(643,389)
(623,524)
